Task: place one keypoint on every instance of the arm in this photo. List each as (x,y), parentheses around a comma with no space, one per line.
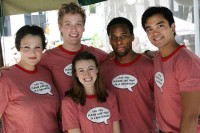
(3,68)
(75,130)
(0,123)
(149,53)
(191,111)
(116,127)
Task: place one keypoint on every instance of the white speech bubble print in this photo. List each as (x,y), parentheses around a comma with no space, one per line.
(159,79)
(124,81)
(68,70)
(98,115)
(41,87)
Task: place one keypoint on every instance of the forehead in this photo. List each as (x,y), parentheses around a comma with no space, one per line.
(119,28)
(72,17)
(156,18)
(84,63)
(31,39)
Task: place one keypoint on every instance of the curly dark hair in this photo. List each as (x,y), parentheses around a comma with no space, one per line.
(33,30)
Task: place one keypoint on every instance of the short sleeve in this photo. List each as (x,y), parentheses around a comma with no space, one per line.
(115,109)
(3,95)
(188,68)
(70,119)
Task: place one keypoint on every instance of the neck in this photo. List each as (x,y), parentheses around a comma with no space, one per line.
(168,49)
(127,58)
(89,90)
(27,67)
(73,48)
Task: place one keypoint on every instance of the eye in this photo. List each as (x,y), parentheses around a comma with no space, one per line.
(124,37)
(67,24)
(80,71)
(79,24)
(113,38)
(38,48)
(148,29)
(91,69)
(26,48)
(160,26)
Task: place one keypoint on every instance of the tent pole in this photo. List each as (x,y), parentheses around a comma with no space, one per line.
(1,29)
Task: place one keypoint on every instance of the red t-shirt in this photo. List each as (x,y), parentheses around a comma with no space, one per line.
(93,117)
(132,83)
(29,101)
(58,61)
(179,72)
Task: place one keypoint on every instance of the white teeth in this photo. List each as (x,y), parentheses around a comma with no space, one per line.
(74,35)
(88,79)
(157,38)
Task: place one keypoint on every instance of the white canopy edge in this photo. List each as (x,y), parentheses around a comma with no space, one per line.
(13,7)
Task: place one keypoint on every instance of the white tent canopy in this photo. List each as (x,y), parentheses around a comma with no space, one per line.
(12,7)
(183,27)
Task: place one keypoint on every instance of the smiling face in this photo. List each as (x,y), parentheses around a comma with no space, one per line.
(31,51)
(72,28)
(86,72)
(120,39)
(159,31)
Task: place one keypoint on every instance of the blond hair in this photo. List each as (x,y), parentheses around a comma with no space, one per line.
(72,8)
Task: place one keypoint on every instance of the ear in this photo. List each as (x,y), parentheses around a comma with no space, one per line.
(133,36)
(59,27)
(97,70)
(173,28)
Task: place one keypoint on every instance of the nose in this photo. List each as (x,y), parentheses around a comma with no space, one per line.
(155,31)
(119,40)
(86,73)
(32,50)
(73,27)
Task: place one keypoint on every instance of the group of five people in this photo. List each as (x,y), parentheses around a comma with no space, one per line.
(76,88)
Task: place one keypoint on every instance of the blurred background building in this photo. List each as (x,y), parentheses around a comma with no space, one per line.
(99,15)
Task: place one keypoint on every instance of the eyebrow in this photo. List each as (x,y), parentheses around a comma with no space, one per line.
(123,33)
(160,22)
(87,67)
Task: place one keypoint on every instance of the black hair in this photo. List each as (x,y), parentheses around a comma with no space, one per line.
(164,11)
(120,20)
(33,30)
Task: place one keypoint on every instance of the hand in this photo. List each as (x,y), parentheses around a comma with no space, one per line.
(3,68)
(111,55)
(149,53)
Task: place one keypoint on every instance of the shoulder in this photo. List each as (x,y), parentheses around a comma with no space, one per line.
(107,62)
(187,54)
(6,72)
(94,50)
(43,70)
(68,101)
(49,51)
(146,59)
(110,94)
(145,62)
(185,58)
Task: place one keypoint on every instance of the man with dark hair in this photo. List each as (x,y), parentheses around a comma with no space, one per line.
(177,77)
(130,76)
